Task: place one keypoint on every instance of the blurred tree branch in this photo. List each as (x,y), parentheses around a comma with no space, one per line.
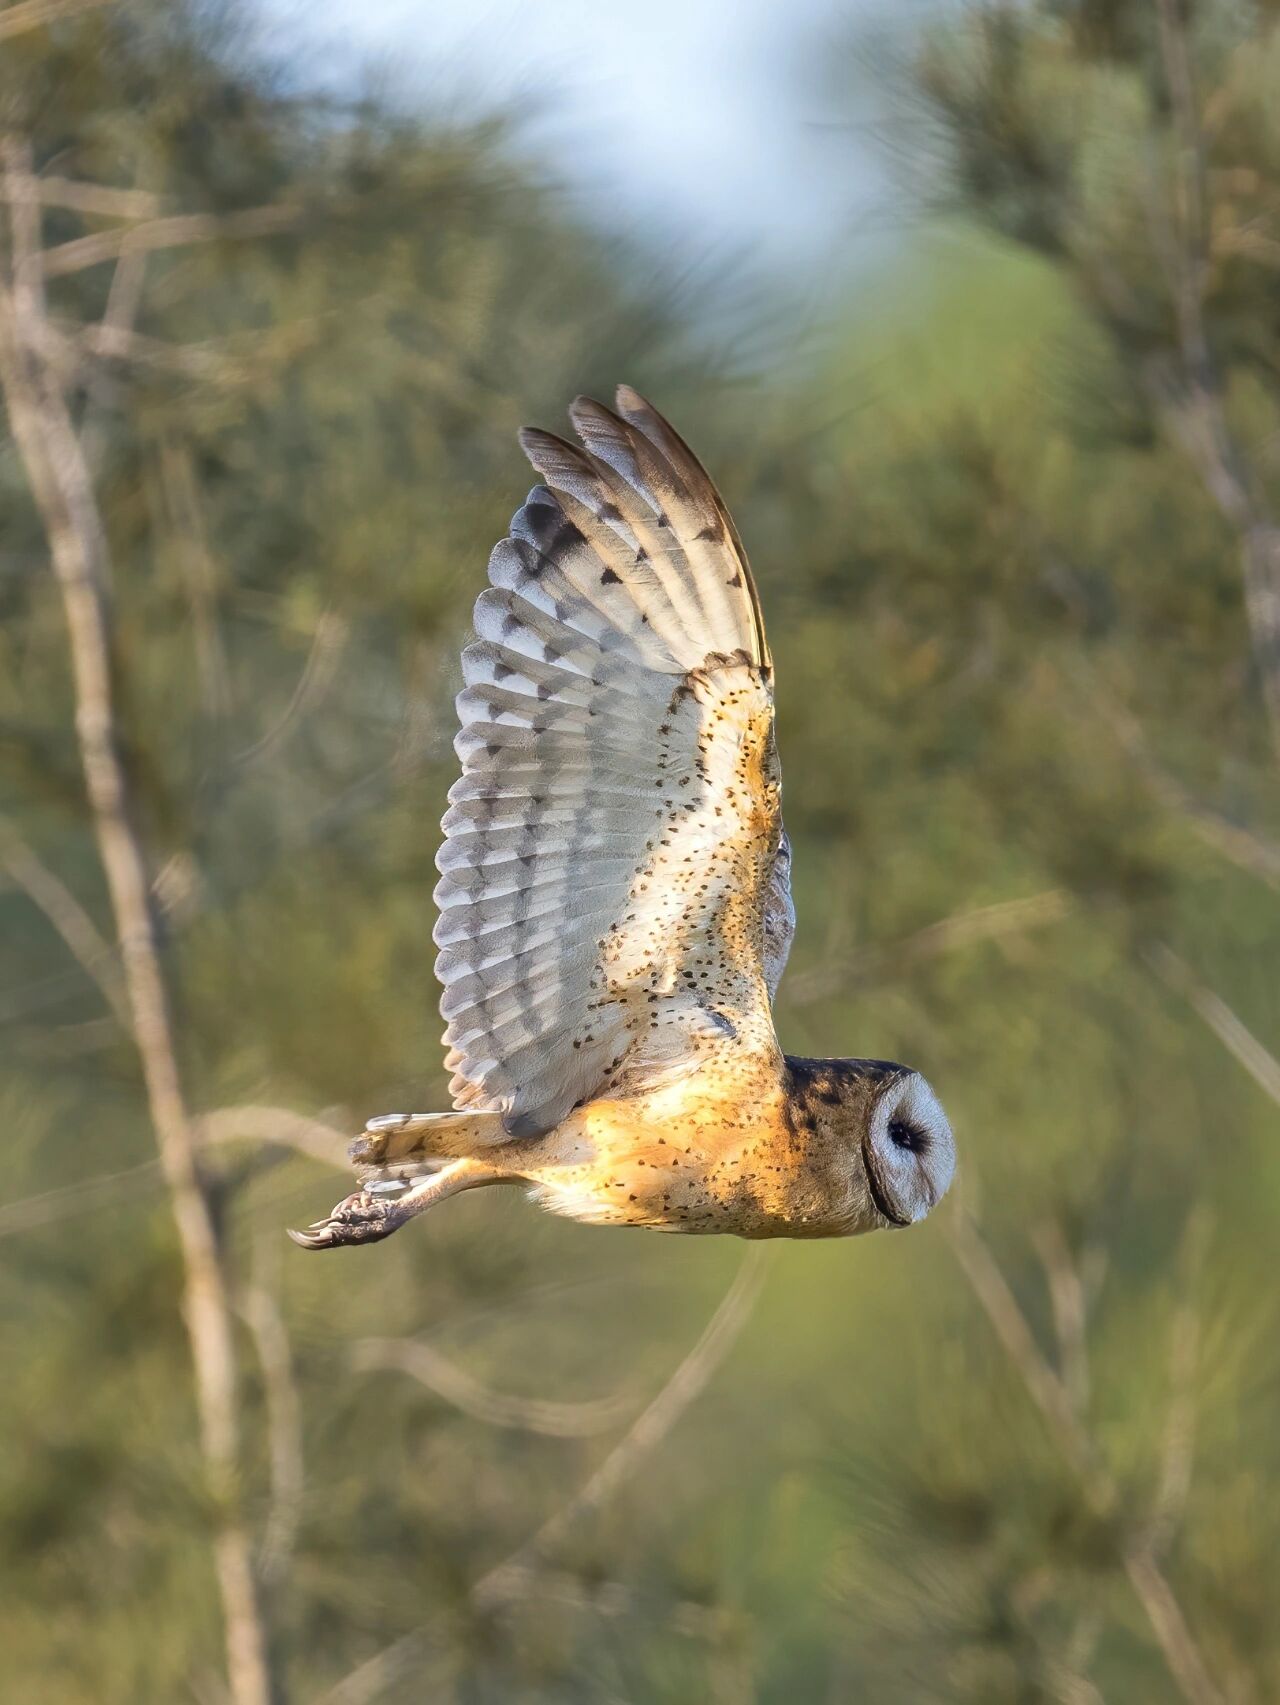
(271,1127)
(1194,401)
(61,485)
(1243,847)
(174,231)
(35,14)
(85,1196)
(421,1361)
(318,674)
(275,1125)
(1049,1391)
(649,1428)
(101,200)
(260,1311)
(1177,1456)
(947,935)
(190,542)
(1067,1299)
(59,905)
(1239,1041)
(511,1577)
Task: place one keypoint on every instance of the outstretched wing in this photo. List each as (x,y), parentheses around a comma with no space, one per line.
(612,846)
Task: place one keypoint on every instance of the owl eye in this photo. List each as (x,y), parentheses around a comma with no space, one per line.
(904,1135)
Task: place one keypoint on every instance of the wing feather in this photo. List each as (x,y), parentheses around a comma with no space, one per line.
(612,844)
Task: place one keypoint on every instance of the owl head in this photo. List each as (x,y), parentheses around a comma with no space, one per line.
(907,1152)
(883,1136)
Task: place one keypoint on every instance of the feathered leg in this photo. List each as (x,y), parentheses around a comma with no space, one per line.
(383,1206)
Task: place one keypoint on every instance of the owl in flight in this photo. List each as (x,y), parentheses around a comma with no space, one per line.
(615,900)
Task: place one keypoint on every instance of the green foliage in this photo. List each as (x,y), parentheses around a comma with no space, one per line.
(984,555)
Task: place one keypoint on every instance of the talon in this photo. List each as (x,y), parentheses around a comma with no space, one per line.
(359,1218)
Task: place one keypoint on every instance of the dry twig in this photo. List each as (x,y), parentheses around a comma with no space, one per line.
(318,674)
(1067,1300)
(948,935)
(1243,847)
(35,14)
(1239,1041)
(52,897)
(175,231)
(53,459)
(423,1362)
(260,1312)
(259,1124)
(1183,1658)
(277,1126)
(1193,401)
(101,200)
(508,1579)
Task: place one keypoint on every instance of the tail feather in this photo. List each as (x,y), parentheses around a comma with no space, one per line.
(411,1145)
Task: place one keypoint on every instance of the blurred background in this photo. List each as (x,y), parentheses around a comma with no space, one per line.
(974,313)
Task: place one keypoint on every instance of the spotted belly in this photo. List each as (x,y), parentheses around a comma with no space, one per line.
(678,1161)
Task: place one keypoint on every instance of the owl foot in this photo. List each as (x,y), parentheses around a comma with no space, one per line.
(366,1216)
(385,1204)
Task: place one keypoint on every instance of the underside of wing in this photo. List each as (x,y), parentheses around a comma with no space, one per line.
(610,847)
(779,916)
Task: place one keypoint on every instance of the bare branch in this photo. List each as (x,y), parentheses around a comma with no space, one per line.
(124,299)
(60,906)
(18,183)
(1244,848)
(1239,1041)
(1047,1390)
(271,1125)
(1183,1658)
(948,935)
(117,342)
(190,540)
(176,231)
(34,14)
(523,1414)
(253,1123)
(59,478)
(84,1197)
(1194,403)
(68,1041)
(1247,244)
(615,1598)
(1067,1299)
(1178,1454)
(1185,1661)
(510,1578)
(94,199)
(318,674)
(261,1314)
(648,1429)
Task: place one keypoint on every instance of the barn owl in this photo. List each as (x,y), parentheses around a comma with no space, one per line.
(615,899)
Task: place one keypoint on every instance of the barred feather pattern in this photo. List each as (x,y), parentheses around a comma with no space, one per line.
(612,846)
